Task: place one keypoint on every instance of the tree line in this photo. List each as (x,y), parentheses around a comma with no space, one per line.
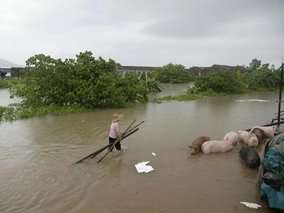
(255,76)
(83,81)
(86,82)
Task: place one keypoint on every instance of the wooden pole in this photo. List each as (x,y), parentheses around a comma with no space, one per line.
(130,125)
(110,150)
(124,135)
(280,94)
(92,155)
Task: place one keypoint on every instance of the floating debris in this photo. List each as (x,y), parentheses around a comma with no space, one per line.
(154,154)
(142,167)
(251,100)
(251,205)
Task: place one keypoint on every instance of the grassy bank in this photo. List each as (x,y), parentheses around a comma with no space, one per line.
(8,83)
(17,111)
(188,96)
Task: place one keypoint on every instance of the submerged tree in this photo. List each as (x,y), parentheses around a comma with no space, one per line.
(85,81)
(172,73)
(220,82)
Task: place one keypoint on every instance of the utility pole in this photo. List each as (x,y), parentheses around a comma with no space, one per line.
(280,94)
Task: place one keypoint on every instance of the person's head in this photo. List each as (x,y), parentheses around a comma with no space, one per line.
(116,117)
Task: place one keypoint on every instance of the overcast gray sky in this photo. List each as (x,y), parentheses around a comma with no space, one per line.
(144,32)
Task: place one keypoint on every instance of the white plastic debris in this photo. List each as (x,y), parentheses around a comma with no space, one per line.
(251,100)
(142,167)
(154,154)
(251,205)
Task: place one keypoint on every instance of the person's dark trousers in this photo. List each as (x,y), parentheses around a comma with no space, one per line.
(117,145)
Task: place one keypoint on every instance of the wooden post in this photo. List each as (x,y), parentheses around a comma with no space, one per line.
(280,95)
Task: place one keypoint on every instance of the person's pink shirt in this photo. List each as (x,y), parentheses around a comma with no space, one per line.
(114,130)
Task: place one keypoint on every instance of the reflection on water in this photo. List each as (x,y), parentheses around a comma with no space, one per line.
(171,90)
(37,155)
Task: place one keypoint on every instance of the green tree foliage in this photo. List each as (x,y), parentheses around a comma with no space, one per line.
(263,77)
(83,82)
(152,84)
(4,84)
(257,76)
(9,83)
(254,64)
(172,73)
(220,82)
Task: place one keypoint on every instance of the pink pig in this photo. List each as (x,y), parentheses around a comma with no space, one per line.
(232,138)
(248,138)
(269,131)
(215,146)
(243,135)
(252,140)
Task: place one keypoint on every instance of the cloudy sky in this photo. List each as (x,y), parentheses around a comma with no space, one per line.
(144,32)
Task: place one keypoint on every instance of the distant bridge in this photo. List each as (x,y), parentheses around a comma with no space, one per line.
(10,71)
(198,71)
(140,70)
(136,69)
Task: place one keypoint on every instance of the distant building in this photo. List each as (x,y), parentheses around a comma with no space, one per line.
(199,71)
(11,71)
(4,71)
(136,69)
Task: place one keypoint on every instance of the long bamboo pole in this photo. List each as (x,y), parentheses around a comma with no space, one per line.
(111,148)
(128,130)
(92,155)
(125,134)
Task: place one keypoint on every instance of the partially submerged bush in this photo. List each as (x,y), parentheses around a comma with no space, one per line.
(219,82)
(84,82)
(172,73)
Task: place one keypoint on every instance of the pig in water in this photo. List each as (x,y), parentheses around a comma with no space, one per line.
(269,131)
(196,144)
(232,138)
(243,136)
(250,157)
(215,146)
(248,138)
(259,134)
(252,140)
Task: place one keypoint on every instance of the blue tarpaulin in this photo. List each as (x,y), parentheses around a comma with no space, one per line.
(274,198)
(273,162)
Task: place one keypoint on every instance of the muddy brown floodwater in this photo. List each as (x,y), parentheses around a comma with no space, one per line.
(36,157)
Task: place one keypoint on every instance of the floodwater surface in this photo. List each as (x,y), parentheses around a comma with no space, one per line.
(6,99)
(38,174)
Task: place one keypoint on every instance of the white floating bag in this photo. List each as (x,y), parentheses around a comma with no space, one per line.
(251,205)
(142,167)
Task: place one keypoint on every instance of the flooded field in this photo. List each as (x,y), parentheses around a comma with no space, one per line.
(37,156)
(5,98)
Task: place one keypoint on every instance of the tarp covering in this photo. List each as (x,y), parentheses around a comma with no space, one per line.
(274,161)
(272,187)
(275,198)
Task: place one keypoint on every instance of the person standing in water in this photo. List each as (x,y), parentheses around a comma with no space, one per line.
(114,132)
